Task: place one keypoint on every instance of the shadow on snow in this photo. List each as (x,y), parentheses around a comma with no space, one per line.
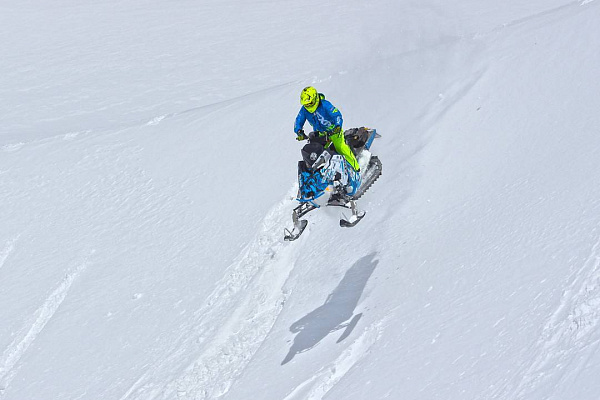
(337,311)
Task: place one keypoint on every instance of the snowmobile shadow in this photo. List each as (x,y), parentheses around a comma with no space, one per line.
(338,311)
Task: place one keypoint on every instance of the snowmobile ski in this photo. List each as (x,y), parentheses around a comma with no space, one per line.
(299,224)
(290,236)
(354,219)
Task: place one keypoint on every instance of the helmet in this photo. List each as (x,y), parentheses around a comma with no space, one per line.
(309,98)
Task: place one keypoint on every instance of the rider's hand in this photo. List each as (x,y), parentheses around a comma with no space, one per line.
(300,136)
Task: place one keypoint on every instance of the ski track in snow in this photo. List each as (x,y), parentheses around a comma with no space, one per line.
(13,354)
(65,137)
(241,311)
(12,147)
(327,377)
(8,248)
(571,335)
(565,9)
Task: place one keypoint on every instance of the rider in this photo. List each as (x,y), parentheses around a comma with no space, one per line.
(326,120)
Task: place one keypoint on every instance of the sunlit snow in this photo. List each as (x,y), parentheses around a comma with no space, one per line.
(148,170)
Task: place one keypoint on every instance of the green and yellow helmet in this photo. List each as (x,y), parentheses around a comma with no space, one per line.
(309,98)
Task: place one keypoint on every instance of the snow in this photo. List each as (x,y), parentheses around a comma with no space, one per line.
(148,167)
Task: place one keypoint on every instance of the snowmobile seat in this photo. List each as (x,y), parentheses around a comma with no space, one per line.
(356,138)
(314,137)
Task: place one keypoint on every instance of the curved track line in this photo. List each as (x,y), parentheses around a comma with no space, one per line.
(570,336)
(556,11)
(251,299)
(8,248)
(239,314)
(11,356)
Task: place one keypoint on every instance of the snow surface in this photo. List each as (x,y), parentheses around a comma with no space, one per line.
(147,170)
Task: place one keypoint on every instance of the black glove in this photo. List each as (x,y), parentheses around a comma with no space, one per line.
(300,136)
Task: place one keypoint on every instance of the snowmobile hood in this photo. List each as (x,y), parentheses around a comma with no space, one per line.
(315,156)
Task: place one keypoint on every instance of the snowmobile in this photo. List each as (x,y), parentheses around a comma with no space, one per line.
(323,171)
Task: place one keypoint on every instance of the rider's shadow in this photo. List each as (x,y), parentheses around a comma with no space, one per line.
(337,311)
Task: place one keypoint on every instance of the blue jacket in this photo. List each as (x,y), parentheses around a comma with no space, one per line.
(324,119)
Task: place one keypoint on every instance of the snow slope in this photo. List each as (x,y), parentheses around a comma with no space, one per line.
(147,169)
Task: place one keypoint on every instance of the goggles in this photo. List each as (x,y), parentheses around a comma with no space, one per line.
(310,102)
